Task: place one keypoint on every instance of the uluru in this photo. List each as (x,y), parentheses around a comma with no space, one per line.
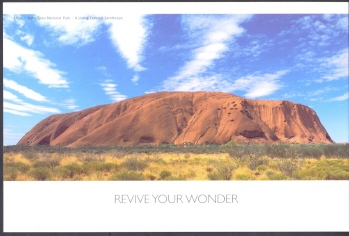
(181,117)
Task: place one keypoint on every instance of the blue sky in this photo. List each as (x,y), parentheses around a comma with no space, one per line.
(56,66)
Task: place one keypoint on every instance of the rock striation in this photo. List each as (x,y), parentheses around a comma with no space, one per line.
(181,117)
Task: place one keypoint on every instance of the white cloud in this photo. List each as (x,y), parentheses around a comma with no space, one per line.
(19,113)
(208,83)
(110,90)
(254,85)
(259,85)
(341,98)
(212,35)
(72,31)
(26,107)
(129,36)
(321,91)
(337,65)
(10,96)
(135,79)
(23,90)
(316,30)
(342,23)
(70,104)
(104,71)
(28,39)
(19,107)
(19,59)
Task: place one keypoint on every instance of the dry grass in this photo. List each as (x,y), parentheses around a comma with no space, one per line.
(167,166)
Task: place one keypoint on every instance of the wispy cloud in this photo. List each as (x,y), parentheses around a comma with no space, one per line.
(321,91)
(69,104)
(19,107)
(319,33)
(10,96)
(341,98)
(73,31)
(29,39)
(337,65)
(212,35)
(27,108)
(23,90)
(19,59)
(15,112)
(259,85)
(129,36)
(135,79)
(26,37)
(252,47)
(103,70)
(110,90)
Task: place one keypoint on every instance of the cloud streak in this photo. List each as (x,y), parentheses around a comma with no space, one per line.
(341,98)
(259,85)
(17,106)
(19,59)
(212,34)
(23,90)
(110,90)
(338,66)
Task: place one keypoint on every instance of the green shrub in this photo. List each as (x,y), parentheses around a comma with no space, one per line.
(338,175)
(16,166)
(225,170)
(30,154)
(244,177)
(276,176)
(134,164)
(50,163)
(61,172)
(288,166)
(277,151)
(109,167)
(215,176)
(261,168)
(74,170)
(175,178)
(343,150)
(324,170)
(127,175)
(10,173)
(90,167)
(41,173)
(231,143)
(164,174)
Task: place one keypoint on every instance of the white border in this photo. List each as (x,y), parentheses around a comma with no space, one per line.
(273,206)
(177,8)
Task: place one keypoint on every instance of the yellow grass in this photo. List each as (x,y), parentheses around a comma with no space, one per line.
(70,160)
(182,166)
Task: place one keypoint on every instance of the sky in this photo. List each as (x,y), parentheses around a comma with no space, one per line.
(57,65)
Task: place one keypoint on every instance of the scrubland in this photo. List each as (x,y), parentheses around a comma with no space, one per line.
(185,162)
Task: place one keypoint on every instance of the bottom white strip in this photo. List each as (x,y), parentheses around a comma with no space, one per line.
(146,206)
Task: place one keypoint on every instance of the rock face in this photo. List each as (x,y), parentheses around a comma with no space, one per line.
(180,117)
